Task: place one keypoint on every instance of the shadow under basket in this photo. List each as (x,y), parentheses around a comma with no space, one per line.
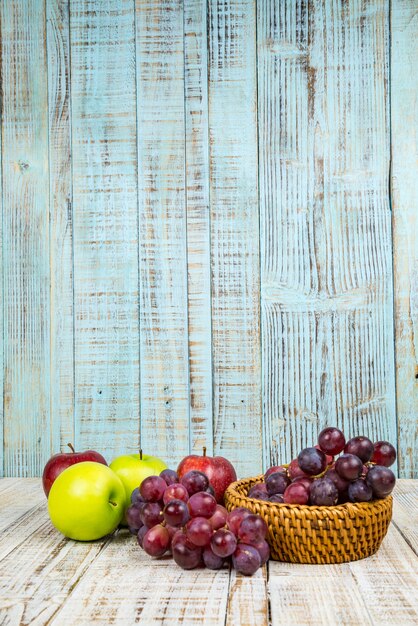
(316,534)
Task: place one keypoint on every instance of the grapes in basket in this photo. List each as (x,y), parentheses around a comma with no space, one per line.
(182,517)
(319,477)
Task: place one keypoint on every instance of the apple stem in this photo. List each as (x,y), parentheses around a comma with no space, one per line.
(70,445)
(204,450)
(140,454)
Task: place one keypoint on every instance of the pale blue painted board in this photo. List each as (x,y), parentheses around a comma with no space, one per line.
(103,102)
(326,272)
(198,225)
(404,117)
(61,226)
(235,233)
(26,273)
(165,414)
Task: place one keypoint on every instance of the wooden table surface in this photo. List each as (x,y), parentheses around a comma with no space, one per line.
(47,579)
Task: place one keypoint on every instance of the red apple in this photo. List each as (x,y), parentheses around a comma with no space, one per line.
(219,470)
(59,462)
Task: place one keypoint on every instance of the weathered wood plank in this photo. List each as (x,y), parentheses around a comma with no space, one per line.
(405,511)
(17,498)
(26,272)
(247,599)
(315,594)
(162,217)
(61,225)
(404,61)
(105,223)
(325,222)
(198,224)
(388,582)
(145,591)
(37,576)
(234,233)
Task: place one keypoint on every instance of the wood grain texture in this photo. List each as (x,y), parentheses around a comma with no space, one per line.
(234,233)
(326,294)
(164,594)
(162,220)
(36,577)
(388,582)
(315,594)
(105,225)
(46,579)
(404,117)
(26,271)
(60,226)
(198,224)
(248,599)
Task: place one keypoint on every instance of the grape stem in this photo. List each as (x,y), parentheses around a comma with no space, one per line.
(70,445)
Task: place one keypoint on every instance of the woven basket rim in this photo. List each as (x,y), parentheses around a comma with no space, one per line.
(345,507)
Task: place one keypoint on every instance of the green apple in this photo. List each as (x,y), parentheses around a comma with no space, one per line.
(86,501)
(132,469)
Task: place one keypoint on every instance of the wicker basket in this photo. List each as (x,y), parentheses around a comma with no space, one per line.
(316,534)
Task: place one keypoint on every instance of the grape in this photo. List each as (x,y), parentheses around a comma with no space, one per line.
(136,497)
(323,492)
(263,549)
(156,541)
(349,466)
(151,514)
(274,469)
(276,483)
(133,517)
(212,560)
(383,454)
(195,481)
(199,531)
(218,519)
(176,491)
(169,476)
(246,559)
(359,491)
(252,528)
(294,470)
(331,440)
(235,518)
(329,457)
(179,535)
(210,490)
(141,532)
(202,505)
(185,554)
(176,513)
(257,487)
(312,461)
(305,481)
(361,447)
(340,483)
(296,494)
(152,488)
(259,494)
(223,542)
(172,530)
(277,497)
(381,479)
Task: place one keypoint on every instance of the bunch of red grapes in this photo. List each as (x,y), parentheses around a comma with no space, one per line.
(183,517)
(315,477)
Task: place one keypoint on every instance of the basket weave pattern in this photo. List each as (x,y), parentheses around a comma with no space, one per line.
(316,534)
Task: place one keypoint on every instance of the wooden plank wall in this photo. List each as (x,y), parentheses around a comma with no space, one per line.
(209,227)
